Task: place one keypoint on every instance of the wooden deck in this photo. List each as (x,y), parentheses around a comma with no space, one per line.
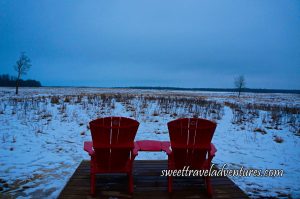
(147,184)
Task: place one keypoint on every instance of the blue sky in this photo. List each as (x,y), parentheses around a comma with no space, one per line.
(154,43)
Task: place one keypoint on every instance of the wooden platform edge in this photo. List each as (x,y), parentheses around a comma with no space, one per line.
(237,192)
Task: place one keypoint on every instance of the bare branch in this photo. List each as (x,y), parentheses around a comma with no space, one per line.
(22,66)
(240,83)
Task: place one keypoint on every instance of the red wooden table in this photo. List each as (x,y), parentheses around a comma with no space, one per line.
(152,146)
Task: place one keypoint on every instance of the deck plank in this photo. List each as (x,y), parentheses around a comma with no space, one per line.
(147,184)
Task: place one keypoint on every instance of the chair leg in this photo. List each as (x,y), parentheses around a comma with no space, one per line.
(208,186)
(130,183)
(93,177)
(170,183)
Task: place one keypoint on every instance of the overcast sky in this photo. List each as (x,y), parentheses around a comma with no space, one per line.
(178,43)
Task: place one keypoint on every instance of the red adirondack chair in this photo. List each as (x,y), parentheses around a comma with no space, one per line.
(191,146)
(112,149)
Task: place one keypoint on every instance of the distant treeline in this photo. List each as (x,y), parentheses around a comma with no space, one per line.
(10,81)
(251,90)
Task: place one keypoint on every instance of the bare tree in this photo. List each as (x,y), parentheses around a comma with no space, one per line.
(22,66)
(240,83)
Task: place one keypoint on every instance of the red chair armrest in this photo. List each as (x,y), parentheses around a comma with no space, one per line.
(165,146)
(88,147)
(213,150)
(136,149)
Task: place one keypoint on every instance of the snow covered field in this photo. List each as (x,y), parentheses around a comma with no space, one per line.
(42,133)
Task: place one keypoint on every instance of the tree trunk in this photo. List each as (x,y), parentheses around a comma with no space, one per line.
(17,86)
(240,90)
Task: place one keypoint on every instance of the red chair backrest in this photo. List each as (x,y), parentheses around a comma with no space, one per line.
(113,141)
(190,141)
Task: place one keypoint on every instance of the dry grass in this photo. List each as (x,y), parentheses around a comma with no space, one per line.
(260,130)
(271,116)
(278,139)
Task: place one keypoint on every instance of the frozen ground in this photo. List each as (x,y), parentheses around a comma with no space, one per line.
(42,133)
